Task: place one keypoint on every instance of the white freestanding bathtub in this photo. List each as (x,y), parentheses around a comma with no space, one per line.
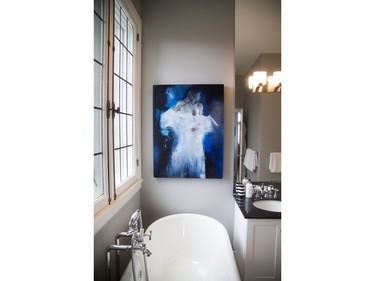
(188,247)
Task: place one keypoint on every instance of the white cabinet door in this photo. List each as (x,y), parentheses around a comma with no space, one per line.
(263,254)
(257,247)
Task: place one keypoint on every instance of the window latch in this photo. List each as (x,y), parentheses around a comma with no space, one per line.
(112,109)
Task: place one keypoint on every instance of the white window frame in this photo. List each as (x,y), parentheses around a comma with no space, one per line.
(113,197)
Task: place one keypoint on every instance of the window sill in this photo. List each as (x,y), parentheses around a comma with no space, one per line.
(105,215)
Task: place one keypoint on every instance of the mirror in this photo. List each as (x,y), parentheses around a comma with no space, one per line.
(257,115)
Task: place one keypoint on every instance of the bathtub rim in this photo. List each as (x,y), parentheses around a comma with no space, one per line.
(187,215)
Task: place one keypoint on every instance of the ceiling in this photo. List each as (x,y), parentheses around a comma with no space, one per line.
(257,30)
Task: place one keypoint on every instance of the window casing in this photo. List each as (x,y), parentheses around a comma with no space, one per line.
(117,113)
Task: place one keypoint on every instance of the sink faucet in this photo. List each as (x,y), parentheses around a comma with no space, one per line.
(258,193)
(266,191)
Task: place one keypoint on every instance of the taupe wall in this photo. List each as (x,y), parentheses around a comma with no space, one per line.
(187,42)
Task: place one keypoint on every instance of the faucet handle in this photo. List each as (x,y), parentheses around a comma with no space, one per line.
(145,250)
(275,195)
(257,194)
(128,233)
(149,235)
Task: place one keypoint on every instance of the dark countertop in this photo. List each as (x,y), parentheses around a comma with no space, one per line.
(251,212)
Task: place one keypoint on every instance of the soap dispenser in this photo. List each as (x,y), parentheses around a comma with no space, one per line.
(245,181)
(249,190)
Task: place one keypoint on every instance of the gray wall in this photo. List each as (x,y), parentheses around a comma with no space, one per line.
(241,84)
(137,6)
(187,42)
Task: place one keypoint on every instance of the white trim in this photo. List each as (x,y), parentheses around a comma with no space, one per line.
(136,21)
(110,211)
(102,201)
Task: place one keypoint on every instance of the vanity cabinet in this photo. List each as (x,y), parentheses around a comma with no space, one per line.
(257,247)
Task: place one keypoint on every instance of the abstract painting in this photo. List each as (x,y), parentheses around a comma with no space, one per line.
(188,130)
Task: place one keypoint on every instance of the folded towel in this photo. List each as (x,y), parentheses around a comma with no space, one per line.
(251,159)
(275,162)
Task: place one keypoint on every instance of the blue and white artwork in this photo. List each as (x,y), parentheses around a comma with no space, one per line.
(188,130)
